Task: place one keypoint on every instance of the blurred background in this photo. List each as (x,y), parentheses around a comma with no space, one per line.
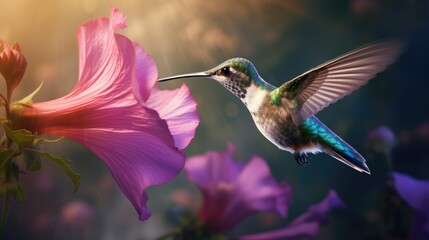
(283,39)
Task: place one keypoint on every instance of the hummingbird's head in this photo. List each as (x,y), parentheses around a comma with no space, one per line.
(236,75)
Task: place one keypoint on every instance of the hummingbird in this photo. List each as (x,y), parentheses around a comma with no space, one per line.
(285,115)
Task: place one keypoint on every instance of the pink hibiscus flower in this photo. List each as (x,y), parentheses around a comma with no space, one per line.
(117,112)
(231,190)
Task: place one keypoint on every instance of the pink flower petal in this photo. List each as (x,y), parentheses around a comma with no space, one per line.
(179,109)
(97,44)
(146,75)
(106,59)
(136,159)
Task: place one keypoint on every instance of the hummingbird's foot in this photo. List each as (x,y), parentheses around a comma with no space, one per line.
(301,159)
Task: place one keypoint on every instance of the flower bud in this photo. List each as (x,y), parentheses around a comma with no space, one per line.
(12,65)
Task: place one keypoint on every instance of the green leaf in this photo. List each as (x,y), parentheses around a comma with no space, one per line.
(13,189)
(5,212)
(64,164)
(32,160)
(35,165)
(20,192)
(23,138)
(5,156)
(6,188)
(14,170)
(40,140)
(29,99)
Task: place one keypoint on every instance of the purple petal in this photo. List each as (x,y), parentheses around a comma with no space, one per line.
(306,225)
(416,194)
(232,191)
(270,196)
(255,190)
(211,168)
(317,213)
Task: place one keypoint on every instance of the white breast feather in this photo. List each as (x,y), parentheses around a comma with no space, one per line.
(254,97)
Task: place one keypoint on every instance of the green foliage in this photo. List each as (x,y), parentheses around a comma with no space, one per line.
(29,99)
(5,156)
(29,157)
(14,189)
(63,163)
(22,137)
(32,161)
(20,154)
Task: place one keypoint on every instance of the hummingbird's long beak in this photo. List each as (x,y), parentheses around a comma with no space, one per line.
(188,75)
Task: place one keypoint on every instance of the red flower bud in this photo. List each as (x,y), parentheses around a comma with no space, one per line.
(12,65)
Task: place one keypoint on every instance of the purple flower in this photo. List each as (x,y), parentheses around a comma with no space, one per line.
(416,194)
(233,190)
(381,140)
(306,225)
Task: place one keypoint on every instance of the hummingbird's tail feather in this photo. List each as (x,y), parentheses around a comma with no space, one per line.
(351,158)
(342,151)
(333,145)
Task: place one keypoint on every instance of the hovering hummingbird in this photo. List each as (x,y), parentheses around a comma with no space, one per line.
(285,115)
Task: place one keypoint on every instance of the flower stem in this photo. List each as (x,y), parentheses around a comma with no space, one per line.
(6,201)
(4,213)
(6,105)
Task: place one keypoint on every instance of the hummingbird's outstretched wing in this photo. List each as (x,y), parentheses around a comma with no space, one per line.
(317,88)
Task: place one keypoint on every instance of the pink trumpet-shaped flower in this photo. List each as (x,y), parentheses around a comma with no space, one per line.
(117,112)
(232,190)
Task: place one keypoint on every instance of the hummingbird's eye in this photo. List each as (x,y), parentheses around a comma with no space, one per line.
(225,71)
